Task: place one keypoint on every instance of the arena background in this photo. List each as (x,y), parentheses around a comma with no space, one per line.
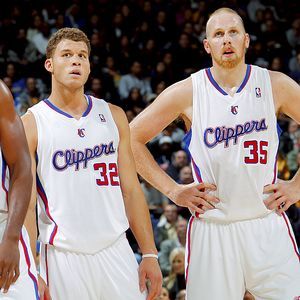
(138,48)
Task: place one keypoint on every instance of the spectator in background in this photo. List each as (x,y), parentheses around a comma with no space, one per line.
(74,17)
(164,294)
(156,200)
(33,92)
(293,34)
(134,101)
(283,171)
(110,69)
(35,27)
(168,245)
(179,160)
(175,281)
(166,226)
(22,52)
(181,295)
(186,175)
(294,66)
(165,150)
(134,79)
(103,88)
(59,23)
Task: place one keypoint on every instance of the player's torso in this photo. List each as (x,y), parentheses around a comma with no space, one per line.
(234,142)
(77,178)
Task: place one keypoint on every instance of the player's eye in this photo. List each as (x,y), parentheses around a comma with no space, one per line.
(218,34)
(233,32)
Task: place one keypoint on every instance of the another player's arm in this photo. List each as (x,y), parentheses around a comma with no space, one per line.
(169,105)
(15,152)
(286,94)
(136,207)
(30,221)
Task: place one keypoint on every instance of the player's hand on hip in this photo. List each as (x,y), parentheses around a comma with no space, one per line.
(196,196)
(9,264)
(150,270)
(282,195)
(43,289)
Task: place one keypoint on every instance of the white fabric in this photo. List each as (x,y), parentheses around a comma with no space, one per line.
(25,288)
(224,132)
(110,274)
(223,260)
(80,204)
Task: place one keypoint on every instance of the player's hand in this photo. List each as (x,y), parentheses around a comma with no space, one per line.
(150,270)
(43,289)
(282,195)
(9,264)
(195,196)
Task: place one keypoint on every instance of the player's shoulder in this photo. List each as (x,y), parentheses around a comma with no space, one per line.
(5,94)
(277,77)
(117,112)
(281,83)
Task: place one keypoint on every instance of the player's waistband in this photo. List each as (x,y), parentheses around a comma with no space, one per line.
(229,220)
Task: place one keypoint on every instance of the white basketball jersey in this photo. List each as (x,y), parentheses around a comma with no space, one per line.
(80,203)
(233,143)
(4,188)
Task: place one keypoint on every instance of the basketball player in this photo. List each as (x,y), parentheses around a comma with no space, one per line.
(87,188)
(236,240)
(18,278)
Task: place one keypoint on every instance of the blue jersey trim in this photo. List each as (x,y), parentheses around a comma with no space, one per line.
(54,107)
(216,85)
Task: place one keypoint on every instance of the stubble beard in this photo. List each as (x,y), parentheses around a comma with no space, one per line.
(228,63)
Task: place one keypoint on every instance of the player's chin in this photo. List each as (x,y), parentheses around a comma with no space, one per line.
(74,83)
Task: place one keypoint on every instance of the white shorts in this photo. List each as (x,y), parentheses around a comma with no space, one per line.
(25,288)
(224,260)
(110,274)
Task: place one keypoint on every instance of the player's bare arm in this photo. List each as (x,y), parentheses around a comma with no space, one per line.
(136,207)
(175,101)
(30,221)
(16,154)
(286,93)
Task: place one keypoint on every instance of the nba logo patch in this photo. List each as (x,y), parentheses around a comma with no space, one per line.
(258,92)
(234,109)
(102,118)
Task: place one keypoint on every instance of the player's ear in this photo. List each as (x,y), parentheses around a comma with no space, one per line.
(247,40)
(48,65)
(206,46)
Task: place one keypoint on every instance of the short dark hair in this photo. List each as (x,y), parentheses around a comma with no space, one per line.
(73,34)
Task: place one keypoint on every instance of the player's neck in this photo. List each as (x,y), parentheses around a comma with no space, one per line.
(229,79)
(72,102)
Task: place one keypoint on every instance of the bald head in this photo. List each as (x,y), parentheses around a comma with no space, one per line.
(220,11)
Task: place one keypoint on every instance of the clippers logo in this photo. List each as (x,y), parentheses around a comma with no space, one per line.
(258,92)
(81,132)
(234,109)
(102,118)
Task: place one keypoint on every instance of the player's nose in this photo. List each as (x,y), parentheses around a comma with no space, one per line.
(226,39)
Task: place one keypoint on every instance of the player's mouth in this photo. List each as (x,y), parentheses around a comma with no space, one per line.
(75,73)
(228,52)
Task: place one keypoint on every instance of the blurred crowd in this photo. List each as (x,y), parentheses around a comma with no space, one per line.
(138,48)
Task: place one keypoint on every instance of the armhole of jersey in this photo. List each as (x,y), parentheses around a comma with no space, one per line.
(195,102)
(116,129)
(36,120)
(270,92)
